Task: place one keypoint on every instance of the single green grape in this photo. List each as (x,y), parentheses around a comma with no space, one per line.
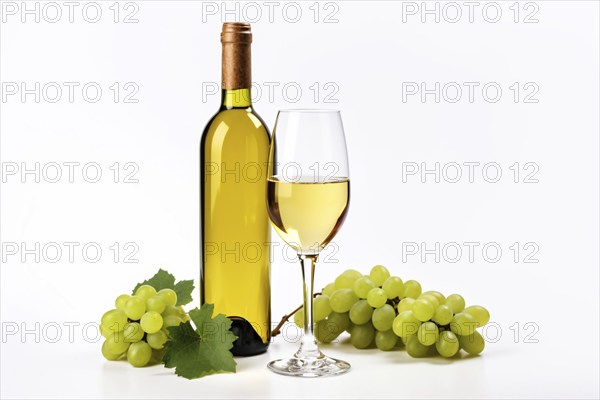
(169,296)
(415,348)
(106,332)
(360,312)
(108,355)
(463,324)
(405,324)
(379,274)
(393,287)
(338,321)
(443,315)
(114,320)
(116,344)
(321,307)
(440,297)
(133,332)
(155,303)
(157,356)
(299,318)
(135,307)
(171,320)
(121,300)
(447,344)
(145,292)
(157,340)
(386,340)
(362,336)
(481,314)
(362,286)
(342,300)
(428,333)
(376,297)
(383,318)
(430,298)
(412,289)
(456,303)
(346,279)
(406,304)
(326,331)
(171,310)
(423,309)
(151,322)
(472,344)
(139,354)
(322,333)
(328,289)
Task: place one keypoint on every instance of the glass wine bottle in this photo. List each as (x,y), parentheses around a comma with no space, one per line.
(234,224)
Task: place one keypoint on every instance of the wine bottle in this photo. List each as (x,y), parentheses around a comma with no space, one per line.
(234,223)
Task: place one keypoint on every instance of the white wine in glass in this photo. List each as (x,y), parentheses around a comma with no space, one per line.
(308,193)
(307,215)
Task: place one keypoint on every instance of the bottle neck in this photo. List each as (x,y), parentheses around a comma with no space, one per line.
(236,98)
(236,72)
(236,66)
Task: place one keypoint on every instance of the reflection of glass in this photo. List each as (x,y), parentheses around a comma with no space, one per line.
(308,193)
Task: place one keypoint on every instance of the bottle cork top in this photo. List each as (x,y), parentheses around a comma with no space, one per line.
(236,32)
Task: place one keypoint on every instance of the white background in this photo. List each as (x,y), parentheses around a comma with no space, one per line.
(370,53)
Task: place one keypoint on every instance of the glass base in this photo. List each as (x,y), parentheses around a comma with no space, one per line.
(309,367)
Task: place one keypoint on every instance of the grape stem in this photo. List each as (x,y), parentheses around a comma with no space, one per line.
(394,302)
(277,330)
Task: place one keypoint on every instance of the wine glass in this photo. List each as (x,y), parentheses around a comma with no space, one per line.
(308,192)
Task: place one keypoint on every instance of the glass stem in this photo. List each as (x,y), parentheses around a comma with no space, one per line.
(308,346)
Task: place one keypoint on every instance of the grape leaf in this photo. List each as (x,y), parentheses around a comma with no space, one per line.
(164,280)
(195,353)
(184,291)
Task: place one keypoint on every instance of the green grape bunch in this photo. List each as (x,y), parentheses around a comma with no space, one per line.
(136,329)
(383,311)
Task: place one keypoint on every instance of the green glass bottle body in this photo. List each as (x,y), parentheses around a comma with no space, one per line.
(234,223)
